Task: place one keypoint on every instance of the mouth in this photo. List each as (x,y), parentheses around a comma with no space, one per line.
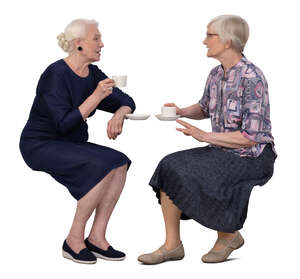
(98,52)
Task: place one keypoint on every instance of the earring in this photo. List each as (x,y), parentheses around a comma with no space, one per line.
(79,48)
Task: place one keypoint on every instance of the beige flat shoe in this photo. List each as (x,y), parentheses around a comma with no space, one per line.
(166,255)
(221,256)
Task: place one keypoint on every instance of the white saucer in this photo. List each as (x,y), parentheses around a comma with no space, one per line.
(137,116)
(167,118)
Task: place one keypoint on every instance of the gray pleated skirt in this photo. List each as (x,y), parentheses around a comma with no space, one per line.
(212,186)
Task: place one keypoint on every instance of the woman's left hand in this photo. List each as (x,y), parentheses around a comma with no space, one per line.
(114,126)
(191,130)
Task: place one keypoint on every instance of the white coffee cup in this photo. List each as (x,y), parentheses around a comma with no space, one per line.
(120,81)
(168,111)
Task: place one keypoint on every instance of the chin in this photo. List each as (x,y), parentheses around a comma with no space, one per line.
(95,59)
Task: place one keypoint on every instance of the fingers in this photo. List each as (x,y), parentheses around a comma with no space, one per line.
(170,105)
(185,124)
(185,131)
(108,80)
(107,84)
(114,129)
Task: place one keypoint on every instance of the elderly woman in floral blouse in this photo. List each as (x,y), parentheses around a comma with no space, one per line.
(212,184)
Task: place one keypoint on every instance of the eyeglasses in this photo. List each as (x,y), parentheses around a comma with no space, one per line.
(210,35)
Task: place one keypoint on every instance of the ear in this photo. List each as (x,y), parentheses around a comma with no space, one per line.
(77,43)
(228,44)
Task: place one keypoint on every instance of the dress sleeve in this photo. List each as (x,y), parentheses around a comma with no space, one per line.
(204,102)
(58,104)
(115,100)
(256,124)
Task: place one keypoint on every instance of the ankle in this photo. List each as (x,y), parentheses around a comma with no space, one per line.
(226,236)
(102,243)
(74,238)
(171,245)
(96,238)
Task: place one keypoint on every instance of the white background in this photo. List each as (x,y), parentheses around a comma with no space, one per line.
(158,44)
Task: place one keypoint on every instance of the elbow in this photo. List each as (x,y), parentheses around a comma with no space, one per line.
(130,104)
(133,106)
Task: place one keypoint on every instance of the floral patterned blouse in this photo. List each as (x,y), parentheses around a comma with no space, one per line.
(239,102)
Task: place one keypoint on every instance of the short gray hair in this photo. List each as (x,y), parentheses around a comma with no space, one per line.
(231,27)
(74,30)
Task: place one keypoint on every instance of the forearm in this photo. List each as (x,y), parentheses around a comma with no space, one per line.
(230,139)
(193,112)
(122,111)
(90,104)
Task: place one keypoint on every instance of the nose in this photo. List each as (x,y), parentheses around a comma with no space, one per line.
(204,41)
(101,44)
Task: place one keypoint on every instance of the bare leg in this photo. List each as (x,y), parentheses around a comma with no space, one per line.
(171,215)
(105,208)
(85,207)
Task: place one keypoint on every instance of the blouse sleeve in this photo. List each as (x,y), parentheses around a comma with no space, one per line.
(58,105)
(115,100)
(256,124)
(204,102)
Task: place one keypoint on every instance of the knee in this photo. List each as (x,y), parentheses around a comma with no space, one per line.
(122,169)
(166,161)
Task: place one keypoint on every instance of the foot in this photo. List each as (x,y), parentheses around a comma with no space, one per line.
(101,243)
(83,256)
(219,245)
(167,247)
(75,243)
(223,248)
(163,254)
(109,254)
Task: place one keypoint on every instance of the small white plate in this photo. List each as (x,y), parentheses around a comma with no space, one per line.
(167,118)
(137,116)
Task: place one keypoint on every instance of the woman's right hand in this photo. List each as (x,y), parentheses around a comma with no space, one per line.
(179,111)
(104,87)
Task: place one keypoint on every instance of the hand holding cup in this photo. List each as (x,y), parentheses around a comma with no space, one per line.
(178,110)
(104,87)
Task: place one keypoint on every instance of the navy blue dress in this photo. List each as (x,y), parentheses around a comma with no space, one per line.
(54,139)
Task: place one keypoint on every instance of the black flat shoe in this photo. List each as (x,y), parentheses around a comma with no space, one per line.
(110,254)
(84,256)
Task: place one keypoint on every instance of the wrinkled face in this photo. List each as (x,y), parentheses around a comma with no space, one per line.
(213,43)
(92,43)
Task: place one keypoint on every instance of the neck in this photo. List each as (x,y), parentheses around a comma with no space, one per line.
(78,63)
(229,58)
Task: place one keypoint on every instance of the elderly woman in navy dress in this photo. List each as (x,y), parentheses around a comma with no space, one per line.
(54,140)
(212,184)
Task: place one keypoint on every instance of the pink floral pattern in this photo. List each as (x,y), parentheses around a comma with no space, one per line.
(239,102)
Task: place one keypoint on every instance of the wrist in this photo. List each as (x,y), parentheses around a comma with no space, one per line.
(183,112)
(98,94)
(122,111)
(208,137)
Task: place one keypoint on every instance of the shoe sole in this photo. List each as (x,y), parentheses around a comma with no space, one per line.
(69,257)
(228,255)
(174,259)
(107,258)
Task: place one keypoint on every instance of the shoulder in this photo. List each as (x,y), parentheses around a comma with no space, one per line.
(215,70)
(97,72)
(57,69)
(55,75)
(95,68)
(252,73)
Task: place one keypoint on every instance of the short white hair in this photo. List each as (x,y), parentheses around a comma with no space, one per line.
(74,30)
(233,28)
